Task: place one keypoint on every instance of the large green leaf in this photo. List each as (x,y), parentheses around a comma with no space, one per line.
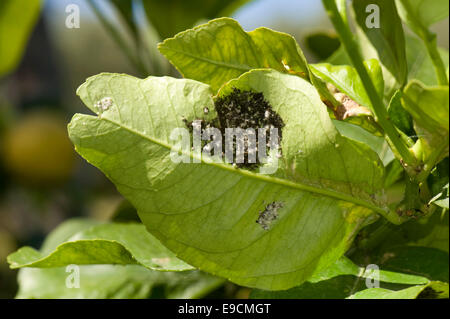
(114,282)
(221,50)
(107,281)
(387,38)
(213,53)
(17,18)
(122,244)
(172,16)
(329,186)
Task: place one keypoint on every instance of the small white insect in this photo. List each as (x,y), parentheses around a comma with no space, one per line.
(207,148)
(286,66)
(104,104)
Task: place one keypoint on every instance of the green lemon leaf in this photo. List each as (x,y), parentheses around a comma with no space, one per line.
(221,50)
(172,16)
(213,53)
(329,186)
(114,282)
(106,281)
(14,32)
(383,29)
(64,231)
(101,244)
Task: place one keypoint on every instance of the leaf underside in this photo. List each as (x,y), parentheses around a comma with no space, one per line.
(329,186)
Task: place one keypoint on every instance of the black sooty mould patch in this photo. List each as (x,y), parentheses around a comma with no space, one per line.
(269,214)
(243,109)
(246,109)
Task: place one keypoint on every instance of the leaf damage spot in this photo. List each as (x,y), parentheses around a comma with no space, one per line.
(244,110)
(348,107)
(269,215)
(247,109)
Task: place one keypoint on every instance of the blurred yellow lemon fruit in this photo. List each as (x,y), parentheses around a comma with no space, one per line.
(37,150)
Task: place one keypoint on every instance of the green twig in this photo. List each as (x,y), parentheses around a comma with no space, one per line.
(429,39)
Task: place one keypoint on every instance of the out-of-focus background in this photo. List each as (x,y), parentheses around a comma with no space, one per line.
(42,180)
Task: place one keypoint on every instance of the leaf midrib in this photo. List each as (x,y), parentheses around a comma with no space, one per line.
(274,180)
(222,64)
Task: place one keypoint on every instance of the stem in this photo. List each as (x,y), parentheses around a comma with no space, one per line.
(118,39)
(429,39)
(382,117)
